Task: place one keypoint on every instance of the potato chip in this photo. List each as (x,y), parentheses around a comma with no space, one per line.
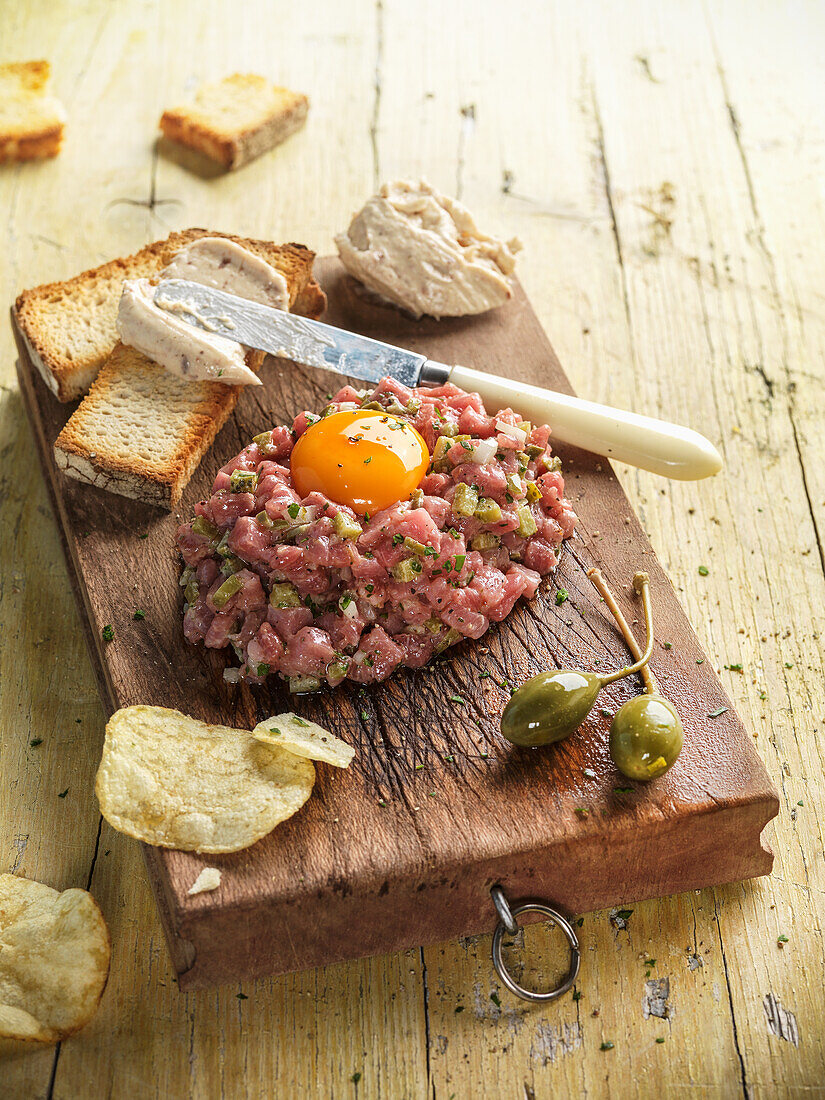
(208,879)
(305,739)
(54,961)
(175,782)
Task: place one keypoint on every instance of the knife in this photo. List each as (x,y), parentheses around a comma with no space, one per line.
(642,441)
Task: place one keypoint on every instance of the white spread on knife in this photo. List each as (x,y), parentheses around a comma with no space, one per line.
(213,261)
(179,347)
(423,251)
(164,334)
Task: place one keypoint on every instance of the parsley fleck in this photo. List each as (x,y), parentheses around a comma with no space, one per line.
(449,758)
(262,669)
(607,1045)
(624,914)
(700,660)
(146,536)
(703,570)
(356,1077)
(370,589)
(605,713)
(381,802)
(799,803)
(459,1008)
(397,539)
(561,596)
(579,922)
(367,461)
(39,741)
(459,562)
(733,668)
(458,699)
(781,940)
(242,996)
(364,715)
(789,664)
(650,962)
(63,793)
(293,510)
(494,997)
(668,645)
(418,767)
(108,633)
(660,1039)
(139,615)
(582,811)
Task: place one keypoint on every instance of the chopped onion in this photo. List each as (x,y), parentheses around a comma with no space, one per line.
(514,432)
(483,452)
(232,675)
(348,605)
(309,512)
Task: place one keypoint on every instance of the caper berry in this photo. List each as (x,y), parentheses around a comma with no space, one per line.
(549,707)
(646,736)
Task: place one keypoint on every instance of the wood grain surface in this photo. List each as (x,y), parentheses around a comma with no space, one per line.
(700,301)
(403,847)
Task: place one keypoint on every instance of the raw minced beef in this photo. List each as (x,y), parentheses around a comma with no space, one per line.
(304,588)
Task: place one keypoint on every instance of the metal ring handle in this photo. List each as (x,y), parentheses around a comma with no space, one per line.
(504,925)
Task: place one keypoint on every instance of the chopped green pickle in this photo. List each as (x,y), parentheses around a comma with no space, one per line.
(346,528)
(419,548)
(191,591)
(243,481)
(417,498)
(227,590)
(439,457)
(488,511)
(202,526)
(465,500)
(231,565)
(533,493)
(406,570)
(445,641)
(284,595)
(223,546)
(263,440)
(299,685)
(484,541)
(515,485)
(526,521)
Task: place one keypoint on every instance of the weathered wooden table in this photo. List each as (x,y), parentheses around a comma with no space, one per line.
(663,165)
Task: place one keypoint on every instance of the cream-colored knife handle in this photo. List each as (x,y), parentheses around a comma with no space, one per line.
(654,445)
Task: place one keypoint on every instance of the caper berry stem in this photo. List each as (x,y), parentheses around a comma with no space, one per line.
(641,584)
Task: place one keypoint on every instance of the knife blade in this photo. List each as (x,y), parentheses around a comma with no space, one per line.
(656,445)
(291,337)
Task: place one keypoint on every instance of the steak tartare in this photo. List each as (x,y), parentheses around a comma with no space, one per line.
(310,590)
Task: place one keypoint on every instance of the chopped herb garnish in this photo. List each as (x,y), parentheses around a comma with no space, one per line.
(242,996)
(668,645)
(459,1008)
(700,660)
(381,802)
(262,669)
(606,1045)
(733,668)
(39,741)
(789,664)
(716,713)
(459,562)
(293,510)
(397,539)
(364,715)
(582,811)
(139,615)
(144,536)
(458,699)
(605,713)
(650,962)
(561,596)
(367,461)
(370,588)
(108,633)
(494,997)
(63,793)
(418,767)
(782,940)
(624,914)
(660,1039)
(703,570)
(799,803)
(577,996)
(356,1077)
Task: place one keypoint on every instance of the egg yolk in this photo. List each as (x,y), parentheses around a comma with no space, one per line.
(364,459)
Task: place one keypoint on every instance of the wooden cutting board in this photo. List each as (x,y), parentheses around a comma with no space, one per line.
(402,848)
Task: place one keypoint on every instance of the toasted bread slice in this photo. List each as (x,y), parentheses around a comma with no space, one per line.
(31,121)
(236,119)
(141,431)
(69,328)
